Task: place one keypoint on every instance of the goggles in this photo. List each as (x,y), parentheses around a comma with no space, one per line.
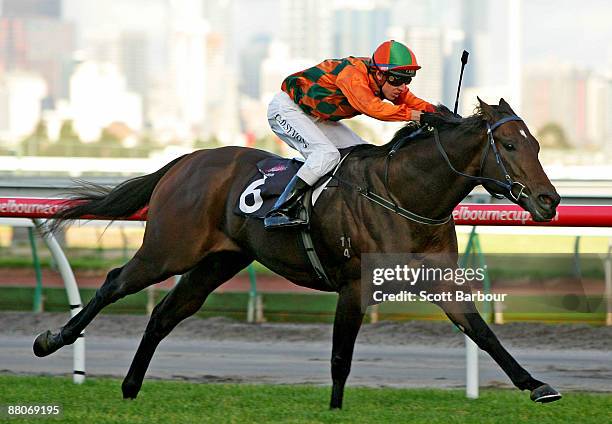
(396,79)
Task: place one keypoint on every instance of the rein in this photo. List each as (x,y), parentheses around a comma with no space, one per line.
(393,205)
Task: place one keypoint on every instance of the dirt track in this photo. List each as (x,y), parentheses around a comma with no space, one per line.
(440,334)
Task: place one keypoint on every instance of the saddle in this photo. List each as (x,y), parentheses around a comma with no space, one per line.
(268,182)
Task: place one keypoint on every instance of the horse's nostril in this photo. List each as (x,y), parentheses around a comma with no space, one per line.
(549,200)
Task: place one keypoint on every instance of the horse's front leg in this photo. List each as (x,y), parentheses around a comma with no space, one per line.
(466,317)
(347,322)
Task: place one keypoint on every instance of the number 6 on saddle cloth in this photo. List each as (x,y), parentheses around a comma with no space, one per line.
(268,182)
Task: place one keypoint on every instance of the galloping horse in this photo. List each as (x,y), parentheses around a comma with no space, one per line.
(192,229)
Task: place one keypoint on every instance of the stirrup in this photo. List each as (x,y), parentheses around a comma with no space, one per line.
(279,219)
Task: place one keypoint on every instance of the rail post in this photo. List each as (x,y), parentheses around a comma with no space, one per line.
(474,251)
(608,272)
(38,300)
(74,298)
(577,267)
(471,368)
(254,314)
(373,314)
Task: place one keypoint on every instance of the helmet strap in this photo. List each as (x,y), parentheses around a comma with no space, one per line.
(381,95)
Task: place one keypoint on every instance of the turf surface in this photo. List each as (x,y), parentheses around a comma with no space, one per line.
(99,400)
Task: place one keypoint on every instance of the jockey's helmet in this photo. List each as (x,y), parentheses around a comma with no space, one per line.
(393,57)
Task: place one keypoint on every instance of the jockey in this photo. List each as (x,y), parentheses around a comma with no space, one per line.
(306,113)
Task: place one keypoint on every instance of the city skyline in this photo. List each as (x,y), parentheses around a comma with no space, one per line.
(186,69)
(550,29)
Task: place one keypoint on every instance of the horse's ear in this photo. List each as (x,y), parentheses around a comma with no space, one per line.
(487,110)
(503,105)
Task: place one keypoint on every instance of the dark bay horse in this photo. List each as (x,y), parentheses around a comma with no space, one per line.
(192,230)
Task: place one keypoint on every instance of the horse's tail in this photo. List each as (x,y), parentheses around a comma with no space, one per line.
(119,202)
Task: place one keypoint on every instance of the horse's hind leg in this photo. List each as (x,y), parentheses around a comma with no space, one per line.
(134,276)
(184,300)
(466,317)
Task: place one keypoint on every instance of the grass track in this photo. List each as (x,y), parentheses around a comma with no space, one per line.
(99,400)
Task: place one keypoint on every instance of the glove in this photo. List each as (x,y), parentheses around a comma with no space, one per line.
(433,119)
(442,115)
(443,110)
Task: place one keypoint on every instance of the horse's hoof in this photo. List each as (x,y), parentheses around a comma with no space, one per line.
(545,394)
(130,391)
(335,405)
(43,345)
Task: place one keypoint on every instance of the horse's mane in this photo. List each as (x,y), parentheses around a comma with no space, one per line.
(445,122)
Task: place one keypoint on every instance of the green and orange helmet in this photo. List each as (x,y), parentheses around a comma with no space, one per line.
(395,58)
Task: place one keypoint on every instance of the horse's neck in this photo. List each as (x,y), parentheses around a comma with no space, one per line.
(422,181)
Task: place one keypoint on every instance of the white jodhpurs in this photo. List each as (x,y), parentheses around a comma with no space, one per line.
(316,139)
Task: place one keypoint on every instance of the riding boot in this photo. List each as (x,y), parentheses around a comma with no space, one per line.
(285,210)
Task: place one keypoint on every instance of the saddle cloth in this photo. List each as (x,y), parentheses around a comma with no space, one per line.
(268,183)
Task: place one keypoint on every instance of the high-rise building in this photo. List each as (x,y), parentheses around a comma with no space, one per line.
(424,13)
(494,69)
(219,16)
(221,93)
(30,8)
(178,99)
(514,54)
(427,45)
(357,32)
(40,45)
(474,22)
(598,111)
(608,108)
(574,99)
(21,94)
(276,67)
(250,64)
(453,47)
(99,97)
(134,63)
(34,39)
(306,27)
(188,73)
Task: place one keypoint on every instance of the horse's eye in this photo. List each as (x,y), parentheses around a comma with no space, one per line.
(509,146)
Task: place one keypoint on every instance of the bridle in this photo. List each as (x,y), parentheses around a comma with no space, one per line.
(509,184)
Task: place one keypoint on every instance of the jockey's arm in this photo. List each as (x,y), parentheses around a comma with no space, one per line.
(355,86)
(407,98)
(417,105)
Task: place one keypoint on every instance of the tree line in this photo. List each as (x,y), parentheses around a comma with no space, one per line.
(69,144)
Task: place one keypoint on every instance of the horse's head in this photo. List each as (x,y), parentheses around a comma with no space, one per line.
(519,167)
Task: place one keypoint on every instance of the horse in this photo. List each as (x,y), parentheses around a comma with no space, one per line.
(192,229)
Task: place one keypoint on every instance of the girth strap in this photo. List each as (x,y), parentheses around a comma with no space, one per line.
(309,245)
